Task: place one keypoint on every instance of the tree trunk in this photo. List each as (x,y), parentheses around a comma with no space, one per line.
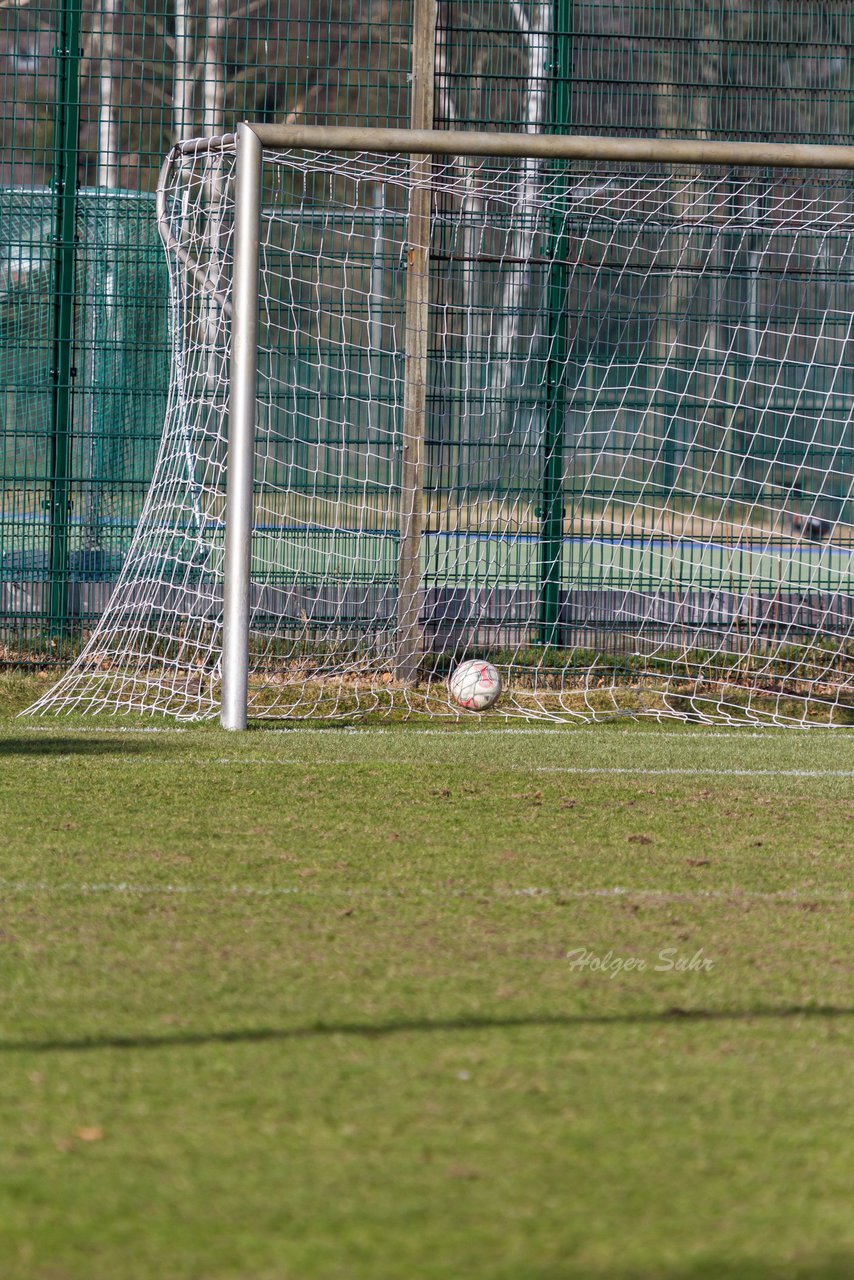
(213,79)
(213,68)
(183,76)
(536,36)
(109,86)
(680,116)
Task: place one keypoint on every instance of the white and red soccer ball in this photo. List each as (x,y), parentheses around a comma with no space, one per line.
(475,685)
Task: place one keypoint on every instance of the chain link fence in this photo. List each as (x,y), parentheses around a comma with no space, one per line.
(93,93)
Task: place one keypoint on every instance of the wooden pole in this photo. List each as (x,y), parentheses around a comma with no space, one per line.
(416,340)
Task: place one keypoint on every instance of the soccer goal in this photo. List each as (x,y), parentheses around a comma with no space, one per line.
(581,407)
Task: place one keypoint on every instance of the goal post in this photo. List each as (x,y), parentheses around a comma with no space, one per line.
(366,475)
(242,414)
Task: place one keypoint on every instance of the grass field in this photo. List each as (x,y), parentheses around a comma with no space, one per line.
(310,1004)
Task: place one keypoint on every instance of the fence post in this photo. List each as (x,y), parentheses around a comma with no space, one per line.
(63,373)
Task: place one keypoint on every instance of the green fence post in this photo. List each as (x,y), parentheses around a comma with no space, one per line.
(551,503)
(66,148)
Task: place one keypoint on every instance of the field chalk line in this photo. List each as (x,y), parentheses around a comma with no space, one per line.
(450,732)
(130,889)
(592,770)
(637,771)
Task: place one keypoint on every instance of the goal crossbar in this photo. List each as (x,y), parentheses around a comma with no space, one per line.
(446,142)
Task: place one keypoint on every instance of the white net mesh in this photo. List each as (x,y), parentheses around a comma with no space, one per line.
(637,459)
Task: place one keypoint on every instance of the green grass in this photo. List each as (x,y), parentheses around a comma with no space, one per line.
(298,1004)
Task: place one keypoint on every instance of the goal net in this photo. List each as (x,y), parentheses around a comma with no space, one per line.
(589,419)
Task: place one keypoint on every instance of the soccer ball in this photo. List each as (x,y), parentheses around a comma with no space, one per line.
(475,685)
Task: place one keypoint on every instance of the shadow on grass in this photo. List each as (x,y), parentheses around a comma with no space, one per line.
(380,1030)
(49,746)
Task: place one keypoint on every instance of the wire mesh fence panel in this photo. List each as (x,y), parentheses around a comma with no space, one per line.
(636,497)
(94,92)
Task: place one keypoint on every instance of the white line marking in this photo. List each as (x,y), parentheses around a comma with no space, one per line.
(671,728)
(528,892)
(673,732)
(604,770)
(63,729)
(639,771)
(696,773)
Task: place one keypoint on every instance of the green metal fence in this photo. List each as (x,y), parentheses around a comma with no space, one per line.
(92,93)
